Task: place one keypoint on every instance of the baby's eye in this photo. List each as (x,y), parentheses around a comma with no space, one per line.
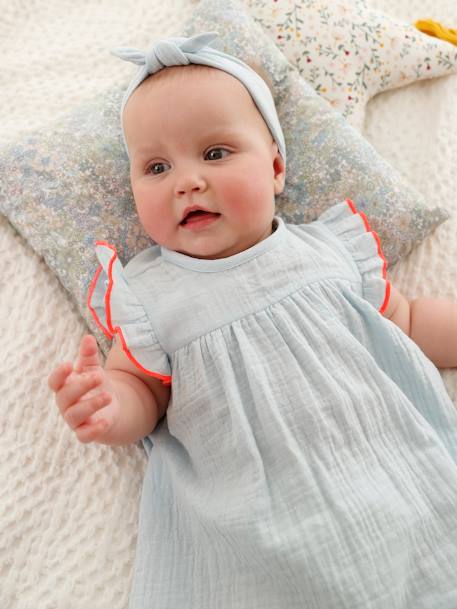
(216,153)
(156,168)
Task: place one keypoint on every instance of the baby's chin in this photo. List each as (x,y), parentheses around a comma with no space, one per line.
(216,253)
(205,251)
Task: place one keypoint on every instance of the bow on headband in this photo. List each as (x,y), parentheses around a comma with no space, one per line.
(166,53)
(197,50)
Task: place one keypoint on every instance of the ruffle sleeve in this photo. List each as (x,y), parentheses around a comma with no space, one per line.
(352,229)
(117,310)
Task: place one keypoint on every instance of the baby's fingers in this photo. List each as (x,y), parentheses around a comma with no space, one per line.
(57,378)
(79,413)
(92,432)
(74,390)
(88,355)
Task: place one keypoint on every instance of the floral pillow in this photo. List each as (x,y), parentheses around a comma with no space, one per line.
(349,52)
(67,186)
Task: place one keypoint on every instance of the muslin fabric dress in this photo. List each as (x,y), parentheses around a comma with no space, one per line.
(308,458)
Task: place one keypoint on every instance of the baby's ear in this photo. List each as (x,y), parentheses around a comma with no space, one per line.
(279,168)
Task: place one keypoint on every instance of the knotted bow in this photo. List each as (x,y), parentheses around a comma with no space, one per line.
(166,53)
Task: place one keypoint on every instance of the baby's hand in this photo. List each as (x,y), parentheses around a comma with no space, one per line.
(85,395)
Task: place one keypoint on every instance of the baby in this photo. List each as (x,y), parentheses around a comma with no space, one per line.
(302,446)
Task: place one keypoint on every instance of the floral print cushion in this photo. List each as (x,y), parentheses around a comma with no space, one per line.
(67,186)
(349,52)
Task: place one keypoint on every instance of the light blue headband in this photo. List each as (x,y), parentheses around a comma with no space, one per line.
(184,51)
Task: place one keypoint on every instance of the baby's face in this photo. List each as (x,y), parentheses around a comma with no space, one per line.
(204,167)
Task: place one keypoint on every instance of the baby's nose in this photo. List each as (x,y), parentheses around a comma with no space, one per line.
(190,183)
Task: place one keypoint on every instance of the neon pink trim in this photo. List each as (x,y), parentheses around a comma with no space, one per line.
(93,283)
(354,210)
(110,331)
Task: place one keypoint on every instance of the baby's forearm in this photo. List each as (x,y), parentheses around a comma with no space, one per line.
(138,414)
(433,327)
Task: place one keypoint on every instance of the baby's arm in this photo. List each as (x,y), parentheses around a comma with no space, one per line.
(117,404)
(430,322)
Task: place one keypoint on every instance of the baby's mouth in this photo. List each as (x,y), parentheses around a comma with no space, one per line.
(198,215)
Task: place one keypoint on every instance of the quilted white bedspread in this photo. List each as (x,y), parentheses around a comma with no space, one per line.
(67,511)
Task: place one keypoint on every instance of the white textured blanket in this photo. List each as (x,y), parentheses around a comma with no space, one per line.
(68,511)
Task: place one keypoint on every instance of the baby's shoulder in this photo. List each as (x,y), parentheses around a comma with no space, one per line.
(151,280)
(146,261)
(315,236)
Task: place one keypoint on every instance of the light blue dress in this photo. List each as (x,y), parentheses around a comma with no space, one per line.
(308,458)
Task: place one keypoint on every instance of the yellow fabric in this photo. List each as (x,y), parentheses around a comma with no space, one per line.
(433,28)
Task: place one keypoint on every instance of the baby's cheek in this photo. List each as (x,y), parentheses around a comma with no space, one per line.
(152,219)
(258,202)
(246,196)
